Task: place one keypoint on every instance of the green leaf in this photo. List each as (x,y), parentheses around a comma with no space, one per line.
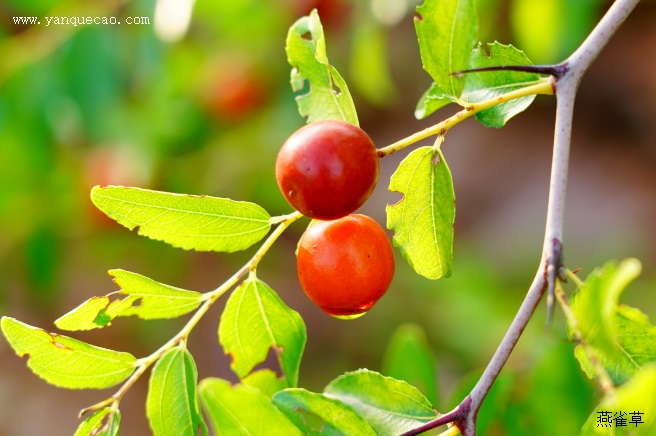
(191,222)
(390,406)
(423,219)
(104,422)
(256,320)
(67,362)
(636,339)
(242,410)
(432,100)
(172,403)
(409,358)
(328,96)
(595,304)
(487,85)
(634,401)
(447,31)
(144,297)
(266,381)
(316,414)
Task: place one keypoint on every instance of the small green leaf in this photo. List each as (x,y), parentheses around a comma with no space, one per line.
(328,96)
(447,31)
(390,406)
(633,403)
(410,358)
(423,219)
(487,85)
(256,320)
(144,298)
(595,304)
(190,222)
(330,417)
(172,403)
(242,410)
(266,381)
(67,362)
(104,422)
(432,100)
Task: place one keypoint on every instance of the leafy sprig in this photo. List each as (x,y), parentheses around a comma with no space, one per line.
(256,321)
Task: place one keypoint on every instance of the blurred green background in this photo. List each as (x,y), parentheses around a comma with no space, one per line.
(202,107)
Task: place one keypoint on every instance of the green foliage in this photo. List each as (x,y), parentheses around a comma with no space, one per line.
(595,306)
(432,100)
(621,337)
(104,422)
(490,84)
(242,410)
(316,414)
(389,406)
(191,222)
(67,362)
(254,321)
(328,96)
(409,358)
(144,297)
(637,395)
(636,340)
(172,404)
(266,381)
(423,219)
(447,31)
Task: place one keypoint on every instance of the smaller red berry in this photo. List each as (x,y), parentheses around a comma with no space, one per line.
(346,265)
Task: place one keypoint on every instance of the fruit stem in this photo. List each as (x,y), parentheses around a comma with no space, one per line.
(543,86)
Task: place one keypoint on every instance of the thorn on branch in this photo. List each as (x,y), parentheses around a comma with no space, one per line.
(552,70)
(554,269)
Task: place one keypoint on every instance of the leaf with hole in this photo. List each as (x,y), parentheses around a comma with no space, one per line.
(255,321)
(191,222)
(242,410)
(142,297)
(104,422)
(316,414)
(172,404)
(324,94)
(486,85)
(67,362)
(423,220)
(447,31)
(390,406)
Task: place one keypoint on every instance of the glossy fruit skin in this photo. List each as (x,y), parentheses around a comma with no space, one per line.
(344,266)
(327,169)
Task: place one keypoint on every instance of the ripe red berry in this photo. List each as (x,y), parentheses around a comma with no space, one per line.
(345,265)
(327,169)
